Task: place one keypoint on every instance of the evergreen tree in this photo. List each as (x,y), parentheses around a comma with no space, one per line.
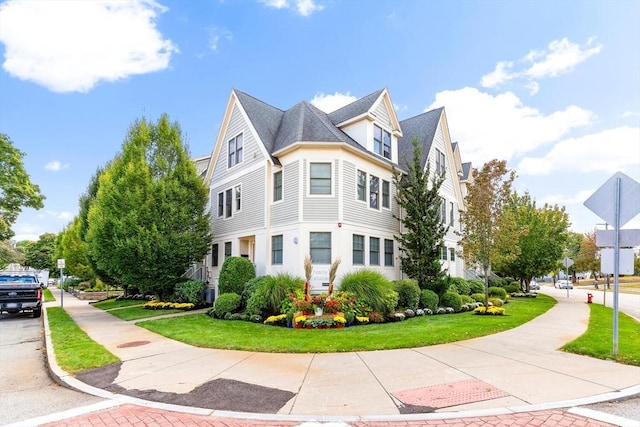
(423,228)
(148,220)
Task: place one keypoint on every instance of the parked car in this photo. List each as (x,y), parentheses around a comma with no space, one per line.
(534,286)
(564,284)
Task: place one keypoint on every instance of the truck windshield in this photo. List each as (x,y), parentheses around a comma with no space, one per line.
(18,279)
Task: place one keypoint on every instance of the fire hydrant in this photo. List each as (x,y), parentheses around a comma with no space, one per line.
(589,298)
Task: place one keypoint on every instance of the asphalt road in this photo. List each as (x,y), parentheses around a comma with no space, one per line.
(26,390)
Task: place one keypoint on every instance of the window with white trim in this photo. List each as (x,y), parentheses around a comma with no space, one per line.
(443,253)
(374,251)
(374,192)
(361,185)
(388,252)
(320,178)
(386,198)
(440,162)
(276,249)
(320,247)
(220,204)
(452,254)
(358,249)
(451,211)
(443,211)
(238,197)
(381,142)
(235,150)
(277,186)
(228,203)
(227,250)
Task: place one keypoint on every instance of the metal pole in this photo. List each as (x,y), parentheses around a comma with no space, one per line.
(616,267)
(62,288)
(566,274)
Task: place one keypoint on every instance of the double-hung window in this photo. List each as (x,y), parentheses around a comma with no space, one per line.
(386,198)
(227,250)
(320,178)
(443,253)
(228,205)
(276,249)
(381,142)
(235,150)
(320,247)
(374,192)
(362,186)
(277,186)
(451,216)
(358,249)
(214,255)
(452,254)
(443,211)
(374,251)
(440,162)
(388,252)
(220,204)
(238,197)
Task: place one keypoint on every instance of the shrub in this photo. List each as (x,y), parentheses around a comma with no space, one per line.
(466,299)
(191,291)
(408,293)
(390,301)
(370,287)
(459,285)
(376,317)
(439,286)
(451,299)
(497,292)
(475,286)
(235,272)
(496,311)
(496,302)
(479,297)
(429,299)
(409,313)
(250,288)
(512,288)
(267,298)
(226,304)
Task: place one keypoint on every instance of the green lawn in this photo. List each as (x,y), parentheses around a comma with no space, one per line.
(73,348)
(112,303)
(48,296)
(203,331)
(139,312)
(598,340)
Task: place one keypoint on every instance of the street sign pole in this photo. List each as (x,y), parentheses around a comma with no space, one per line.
(61,265)
(616,268)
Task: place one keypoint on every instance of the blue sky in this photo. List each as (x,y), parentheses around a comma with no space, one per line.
(553,87)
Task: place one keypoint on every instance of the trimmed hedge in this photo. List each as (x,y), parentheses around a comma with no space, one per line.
(408,293)
(451,299)
(429,299)
(226,304)
(235,272)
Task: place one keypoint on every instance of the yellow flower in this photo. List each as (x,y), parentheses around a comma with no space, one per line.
(339,319)
(300,319)
(362,319)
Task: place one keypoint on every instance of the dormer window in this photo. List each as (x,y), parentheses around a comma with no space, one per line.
(235,150)
(381,142)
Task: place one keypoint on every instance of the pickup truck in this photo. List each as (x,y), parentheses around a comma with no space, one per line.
(20,291)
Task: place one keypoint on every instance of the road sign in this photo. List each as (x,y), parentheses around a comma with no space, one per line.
(603,201)
(628,238)
(625,261)
(61,263)
(567,262)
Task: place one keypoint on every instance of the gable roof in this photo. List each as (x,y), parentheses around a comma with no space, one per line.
(423,127)
(466,171)
(357,108)
(264,117)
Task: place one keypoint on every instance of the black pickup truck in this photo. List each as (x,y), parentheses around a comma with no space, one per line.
(20,292)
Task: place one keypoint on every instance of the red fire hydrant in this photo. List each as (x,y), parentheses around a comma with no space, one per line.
(589,298)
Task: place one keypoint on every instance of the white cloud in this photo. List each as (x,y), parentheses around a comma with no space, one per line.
(501,126)
(216,34)
(70,46)
(561,57)
(607,151)
(302,7)
(55,166)
(64,215)
(329,103)
(627,114)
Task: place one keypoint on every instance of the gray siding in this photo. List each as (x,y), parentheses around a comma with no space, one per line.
(358,212)
(320,208)
(439,143)
(252,212)
(382,115)
(252,153)
(286,211)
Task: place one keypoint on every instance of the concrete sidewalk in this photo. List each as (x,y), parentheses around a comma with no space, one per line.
(516,371)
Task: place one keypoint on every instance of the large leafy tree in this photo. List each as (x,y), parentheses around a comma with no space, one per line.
(531,239)
(148,221)
(16,189)
(417,194)
(40,255)
(9,254)
(484,203)
(74,251)
(587,258)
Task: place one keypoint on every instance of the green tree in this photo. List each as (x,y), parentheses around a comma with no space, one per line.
(531,239)
(420,202)
(588,255)
(16,189)
(74,251)
(40,255)
(486,197)
(148,220)
(9,254)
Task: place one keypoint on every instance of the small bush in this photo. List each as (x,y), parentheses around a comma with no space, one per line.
(420,312)
(479,297)
(497,292)
(408,293)
(191,291)
(250,287)
(429,299)
(226,304)
(466,299)
(451,299)
(267,298)
(409,313)
(496,302)
(376,317)
(475,286)
(370,287)
(235,272)
(459,285)
(512,288)
(439,286)
(496,311)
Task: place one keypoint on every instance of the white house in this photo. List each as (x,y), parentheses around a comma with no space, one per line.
(287,183)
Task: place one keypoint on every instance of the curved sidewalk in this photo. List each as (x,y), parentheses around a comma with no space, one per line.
(513,372)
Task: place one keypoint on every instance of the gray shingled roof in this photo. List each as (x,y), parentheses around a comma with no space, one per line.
(422,126)
(264,117)
(355,109)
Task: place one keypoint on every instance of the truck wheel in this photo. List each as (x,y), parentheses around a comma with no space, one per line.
(37,312)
